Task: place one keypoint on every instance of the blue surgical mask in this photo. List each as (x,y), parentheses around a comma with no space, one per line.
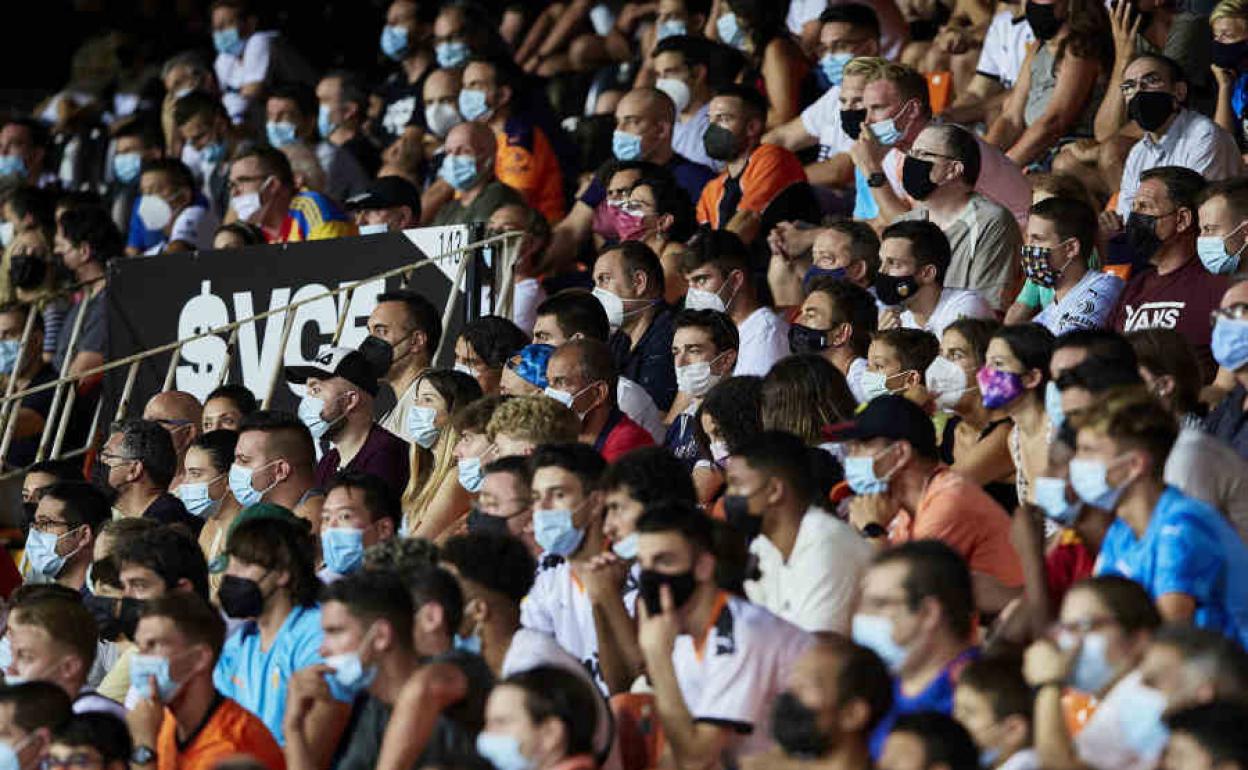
(394,42)
(12,165)
(42,555)
(472,104)
(885,132)
(241,485)
(144,668)
(280,133)
(470,644)
(459,171)
(1089,479)
(420,426)
(1213,254)
(1230,343)
(502,751)
(349,677)
(1051,497)
(126,166)
(374,229)
(470,474)
(197,500)
(1091,672)
(860,474)
(227,41)
(212,153)
(627,548)
(452,54)
(9,350)
(555,533)
(730,32)
(988,757)
(671,28)
(9,759)
(875,632)
(311,411)
(626,146)
(324,124)
(833,66)
(343,549)
(1053,405)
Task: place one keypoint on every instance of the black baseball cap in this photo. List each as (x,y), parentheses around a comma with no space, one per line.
(350,365)
(892,417)
(387,192)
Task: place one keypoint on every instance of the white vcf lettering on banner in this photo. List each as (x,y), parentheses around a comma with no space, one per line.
(202,360)
(1153,315)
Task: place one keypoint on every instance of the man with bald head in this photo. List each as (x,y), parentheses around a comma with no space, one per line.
(1230,350)
(179,413)
(441,97)
(469,168)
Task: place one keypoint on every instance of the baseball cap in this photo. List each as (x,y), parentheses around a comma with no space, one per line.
(530,363)
(892,417)
(387,192)
(350,365)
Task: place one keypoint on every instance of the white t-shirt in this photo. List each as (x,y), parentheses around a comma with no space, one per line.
(1005,48)
(558,605)
(733,674)
(194,225)
(816,589)
(822,120)
(1086,306)
(952,305)
(764,341)
(234,72)
(857,368)
(639,405)
(1102,744)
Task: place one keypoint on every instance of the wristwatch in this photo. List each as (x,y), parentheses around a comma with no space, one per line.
(872,531)
(877,179)
(142,755)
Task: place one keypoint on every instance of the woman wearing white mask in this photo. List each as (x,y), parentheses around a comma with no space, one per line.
(730,415)
(434,499)
(1087,664)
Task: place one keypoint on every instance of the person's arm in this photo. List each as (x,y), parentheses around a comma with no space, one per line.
(433,688)
(745,224)
(1224,115)
(693,745)
(307,687)
(437,195)
(1020,313)
(618,653)
(970,104)
(449,503)
(323,725)
(987,460)
(558,38)
(780,67)
(538,32)
(85,361)
(1112,113)
(868,155)
(1045,668)
(791,135)
(1009,124)
(1068,101)
(144,722)
(784,277)
(1027,537)
(991,595)
(567,237)
(837,171)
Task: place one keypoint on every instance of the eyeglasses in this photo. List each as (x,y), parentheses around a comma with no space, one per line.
(1236,312)
(109,458)
(50,525)
(1150,82)
(927,155)
(73,761)
(235,184)
(1085,626)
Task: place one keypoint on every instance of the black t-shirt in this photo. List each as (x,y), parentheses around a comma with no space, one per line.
(168,509)
(364,151)
(404,106)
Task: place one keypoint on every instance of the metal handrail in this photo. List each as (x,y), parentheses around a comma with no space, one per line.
(54,429)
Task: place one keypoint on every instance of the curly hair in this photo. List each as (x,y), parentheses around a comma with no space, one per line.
(538,419)
(736,407)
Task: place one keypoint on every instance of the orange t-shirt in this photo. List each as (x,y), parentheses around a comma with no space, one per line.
(526,162)
(957,511)
(768,172)
(229,731)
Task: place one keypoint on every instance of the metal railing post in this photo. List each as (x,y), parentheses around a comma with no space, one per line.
(70,350)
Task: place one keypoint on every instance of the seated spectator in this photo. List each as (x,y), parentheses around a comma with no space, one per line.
(730,415)
(1174,290)
(928,741)
(170,207)
(405,41)
(997,70)
(1223,236)
(682,70)
(341,113)
(338,407)
(810,561)
(485,346)
(545,715)
(844,250)
(939,173)
(139,463)
(645,120)
(717,269)
(914,260)
(159,560)
(246,58)
(186,719)
(39,477)
(85,240)
(1014,379)
(263,193)
(717,702)
(208,141)
(470,166)
(101,739)
(63,532)
(53,638)
(473,448)
(292,119)
(521,424)
(237,235)
(206,489)
(897,364)
(914,497)
(179,413)
(628,281)
(404,317)
(505,504)
(584,367)
(525,373)
(531,259)
(704,350)
(24,152)
(441,98)
(657,213)
(758,32)
(29,713)
(433,500)
(389,204)
(225,408)
(1189,666)
(993,702)
(360,510)
(1226,420)
(25,369)
(275,462)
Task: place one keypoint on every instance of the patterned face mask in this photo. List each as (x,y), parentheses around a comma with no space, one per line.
(1038,268)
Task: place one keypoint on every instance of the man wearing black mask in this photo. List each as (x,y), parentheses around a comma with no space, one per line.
(715,661)
(1155,90)
(838,692)
(1174,290)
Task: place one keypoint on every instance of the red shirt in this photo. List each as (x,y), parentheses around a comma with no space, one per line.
(1069,562)
(620,436)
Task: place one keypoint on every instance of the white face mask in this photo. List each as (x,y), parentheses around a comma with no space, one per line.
(441,118)
(155,212)
(677,89)
(697,379)
(947,381)
(246,205)
(613,306)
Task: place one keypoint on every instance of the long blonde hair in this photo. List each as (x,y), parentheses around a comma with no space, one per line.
(431,467)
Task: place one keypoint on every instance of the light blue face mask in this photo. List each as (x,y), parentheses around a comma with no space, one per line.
(280,133)
(1089,479)
(311,411)
(374,229)
(730,32)
(212,153)
(554,531)
(1091,671)
(833,66)
(9,350)
(420,426)
(42,555)
(626,146)
(126,166)
(1213,255)
(227,41)
(885,132)
(875,632)
(502,751)
(349,677)
(197,500)
(473,104)
(1053,405)
(471,476)
(860,474)
(394,42)
(343,549)
(1051,497)
(452,54)
(144,668)
(9,759)
(470,644)
(988,757)
(1230,343)
(627,548)
(671,28)
(241,485)
(12,165)
(324,124)
(459,171)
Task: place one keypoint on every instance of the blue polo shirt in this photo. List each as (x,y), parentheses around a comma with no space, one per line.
(258,678)
(1188,548)
(937,696)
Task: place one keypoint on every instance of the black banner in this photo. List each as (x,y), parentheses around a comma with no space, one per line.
(154,300)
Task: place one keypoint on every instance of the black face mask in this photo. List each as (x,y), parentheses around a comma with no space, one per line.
(1151,109)
(737,512)
(795,728)
(240,597)
(1229,56)
(114,617)
(28,514)
(1043,20)
(27,271)
(378,353)
(895,289)
(803,339)
(1141,233)
(480,522)
(851,122)
(916,178)
(649,582)
(720,143)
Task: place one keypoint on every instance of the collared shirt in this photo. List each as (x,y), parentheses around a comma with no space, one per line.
(228,731)
(952,305)
(384,455)
(620,436)
(1005,48)
(649,362)
(1229,421)
(257,678)
(1192,141)
(764,341)
(1086,306)
(817,587)
(687,138)
(984,240)
(1187,548)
